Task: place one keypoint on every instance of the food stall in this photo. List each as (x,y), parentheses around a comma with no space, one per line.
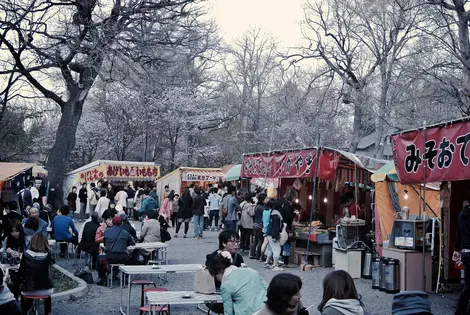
(13,178)
(118,173)
(436,154)
(183,177)
(338,173)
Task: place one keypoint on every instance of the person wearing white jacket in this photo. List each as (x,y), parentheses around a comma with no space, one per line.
(103,203)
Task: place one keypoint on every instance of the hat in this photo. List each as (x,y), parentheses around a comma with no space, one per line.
(117,221)
(124,216)
(411,302)
(36,205)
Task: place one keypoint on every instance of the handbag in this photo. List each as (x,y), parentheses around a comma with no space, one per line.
(165,236)
(291,236)
(103,259)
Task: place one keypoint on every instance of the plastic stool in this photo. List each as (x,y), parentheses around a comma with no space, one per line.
(142,283)
(158,308)
(36,299)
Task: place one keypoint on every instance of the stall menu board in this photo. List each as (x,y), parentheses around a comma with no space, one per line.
(120,172)
(441,150)
(297,164)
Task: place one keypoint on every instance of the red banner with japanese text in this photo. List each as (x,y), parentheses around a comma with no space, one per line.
(294,164)
(442,151)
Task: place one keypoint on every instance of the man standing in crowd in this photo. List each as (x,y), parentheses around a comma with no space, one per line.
(82,196)
(27,196)
(148,203)
(462,253)
(214,204)
(198,211)
(287,212)
(93,197)
(233,208)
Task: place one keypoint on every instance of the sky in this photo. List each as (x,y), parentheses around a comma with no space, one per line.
(279,18)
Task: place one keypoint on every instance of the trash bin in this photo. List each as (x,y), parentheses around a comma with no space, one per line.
(383,265)
(367,271)
(392,276)
(375,272)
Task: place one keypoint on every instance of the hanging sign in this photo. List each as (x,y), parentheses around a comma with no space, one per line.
(294,164)
(120,172)
(443,151)
(198,177)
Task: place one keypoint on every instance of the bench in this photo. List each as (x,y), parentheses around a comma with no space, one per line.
(313,258)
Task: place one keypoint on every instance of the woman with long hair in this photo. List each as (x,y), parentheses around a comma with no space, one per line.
(340,295)
(35,272)
(243,290)
(14,244)
(284,296)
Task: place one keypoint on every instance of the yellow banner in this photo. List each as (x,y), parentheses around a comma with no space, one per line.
(120,172)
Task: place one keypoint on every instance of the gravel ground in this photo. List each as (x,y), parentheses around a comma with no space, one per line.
(104,300)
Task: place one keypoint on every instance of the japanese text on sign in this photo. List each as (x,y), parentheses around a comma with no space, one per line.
(120,172)
(289,164)
(194,177)
(443,151)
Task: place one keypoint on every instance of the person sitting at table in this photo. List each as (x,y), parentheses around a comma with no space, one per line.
(116,241)
(8,303)
(61,226)
(107,222)
(150,233)
(14,244)
(284,296)
(126,225)
(243,290)
(87,242)
(10,213)
(228,242)
(35,273)
(34,224)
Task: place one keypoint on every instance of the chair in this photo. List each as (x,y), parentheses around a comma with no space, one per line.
(142,283)
(158,308)
(36,299)
(109,280)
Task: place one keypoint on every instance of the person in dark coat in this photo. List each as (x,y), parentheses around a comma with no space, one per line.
(87,243)
(35,272)
(198,211)
(287,212)
(185,212)
(126,225)
(72,200)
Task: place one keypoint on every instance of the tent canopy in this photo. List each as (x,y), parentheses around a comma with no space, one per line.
(10,170)
(234,173)
(385,173)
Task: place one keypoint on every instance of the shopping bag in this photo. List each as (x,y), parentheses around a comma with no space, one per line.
(204,282)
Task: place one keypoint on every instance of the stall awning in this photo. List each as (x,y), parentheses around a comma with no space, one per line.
(385,173)
(10,170)
(233,173)
(201,174)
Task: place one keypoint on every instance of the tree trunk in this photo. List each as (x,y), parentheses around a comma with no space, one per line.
(63,145)
(357,123)
(379,125)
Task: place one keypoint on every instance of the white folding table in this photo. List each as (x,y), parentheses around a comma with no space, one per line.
(180,298)
(128,271)
(158,246)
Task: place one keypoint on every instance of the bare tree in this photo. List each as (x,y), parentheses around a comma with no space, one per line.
(61,55)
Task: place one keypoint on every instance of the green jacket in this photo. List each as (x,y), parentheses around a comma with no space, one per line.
(243,291)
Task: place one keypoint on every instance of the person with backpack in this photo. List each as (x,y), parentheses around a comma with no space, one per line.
(273,232)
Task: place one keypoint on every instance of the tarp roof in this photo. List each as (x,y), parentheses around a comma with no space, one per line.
(10,170)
